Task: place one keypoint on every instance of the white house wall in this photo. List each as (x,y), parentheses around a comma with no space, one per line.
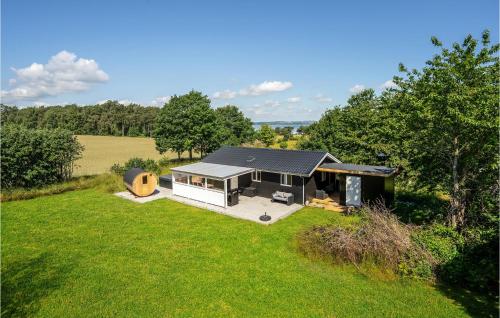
(199,194)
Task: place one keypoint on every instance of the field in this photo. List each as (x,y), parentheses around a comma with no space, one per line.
(88,253)
(101,152)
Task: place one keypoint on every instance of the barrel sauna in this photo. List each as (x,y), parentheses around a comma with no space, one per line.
(140,182)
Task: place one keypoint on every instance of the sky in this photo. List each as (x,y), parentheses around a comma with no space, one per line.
(276,60)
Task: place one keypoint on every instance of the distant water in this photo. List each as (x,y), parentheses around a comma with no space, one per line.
(281,124)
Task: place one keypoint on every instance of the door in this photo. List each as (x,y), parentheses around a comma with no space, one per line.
(234,183)
(353,191)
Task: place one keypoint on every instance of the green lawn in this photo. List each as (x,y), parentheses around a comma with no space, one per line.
(88,253)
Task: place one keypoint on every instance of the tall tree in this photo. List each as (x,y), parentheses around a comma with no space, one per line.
(187,123)
(203,134)
(237,128)
(355,133)
(450,108)
(171,132)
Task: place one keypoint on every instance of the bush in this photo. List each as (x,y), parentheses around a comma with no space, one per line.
(147,165)
(37,157)
(283,144)
(117,169)
(381,239)
(476,266)
(441,241)
(164,162)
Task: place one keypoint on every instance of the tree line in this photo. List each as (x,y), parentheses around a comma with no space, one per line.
(108,119)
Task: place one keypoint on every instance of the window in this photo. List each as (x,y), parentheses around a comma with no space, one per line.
(323,176)
(286,180)
(256,175)
(197,181)
(215,184)
(181,178)
(144,179)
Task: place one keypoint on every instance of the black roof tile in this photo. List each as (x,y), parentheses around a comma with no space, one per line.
(298,162)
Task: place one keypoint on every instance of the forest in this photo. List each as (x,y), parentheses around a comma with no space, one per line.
(108,119)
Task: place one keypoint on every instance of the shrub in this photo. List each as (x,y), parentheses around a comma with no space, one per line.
(164,162)
(441,241)
(117,168)
(476,266)
(380,239)
(147,165)
(283,144)
(37,157)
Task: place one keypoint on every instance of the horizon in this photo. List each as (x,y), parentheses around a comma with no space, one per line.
(276,61)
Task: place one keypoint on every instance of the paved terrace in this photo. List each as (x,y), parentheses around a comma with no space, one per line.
(248,208)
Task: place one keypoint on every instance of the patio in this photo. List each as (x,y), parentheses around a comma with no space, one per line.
(248,208)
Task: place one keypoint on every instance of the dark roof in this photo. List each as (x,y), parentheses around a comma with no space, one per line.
(298,162)
(359,169)
(130,175)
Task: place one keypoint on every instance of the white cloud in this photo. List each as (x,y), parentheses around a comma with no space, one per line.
(388,84)
(263,88)
(63,73)
(294,99)
(358,88)
(227,94)
(323,99)
(160,101)
(271,103)
(125,102)
(260,111)
(38,104)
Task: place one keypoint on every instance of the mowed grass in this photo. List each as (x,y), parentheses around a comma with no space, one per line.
(101,152)
(91,254)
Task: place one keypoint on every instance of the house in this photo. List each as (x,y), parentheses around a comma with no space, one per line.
(222,176)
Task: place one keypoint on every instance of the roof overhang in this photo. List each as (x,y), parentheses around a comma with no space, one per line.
(212,170)
(378,171)
(327,155)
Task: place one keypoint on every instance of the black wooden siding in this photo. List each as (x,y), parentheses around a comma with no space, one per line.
(270,182)
(372,187)
(245,180)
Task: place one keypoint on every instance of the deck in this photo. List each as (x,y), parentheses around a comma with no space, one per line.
(332,203)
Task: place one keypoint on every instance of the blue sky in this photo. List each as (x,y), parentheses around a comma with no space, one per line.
(276,60)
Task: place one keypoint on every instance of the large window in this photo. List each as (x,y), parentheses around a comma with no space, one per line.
(181,178)
(256,175)
(215,184)
(286,180)
(197,181)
